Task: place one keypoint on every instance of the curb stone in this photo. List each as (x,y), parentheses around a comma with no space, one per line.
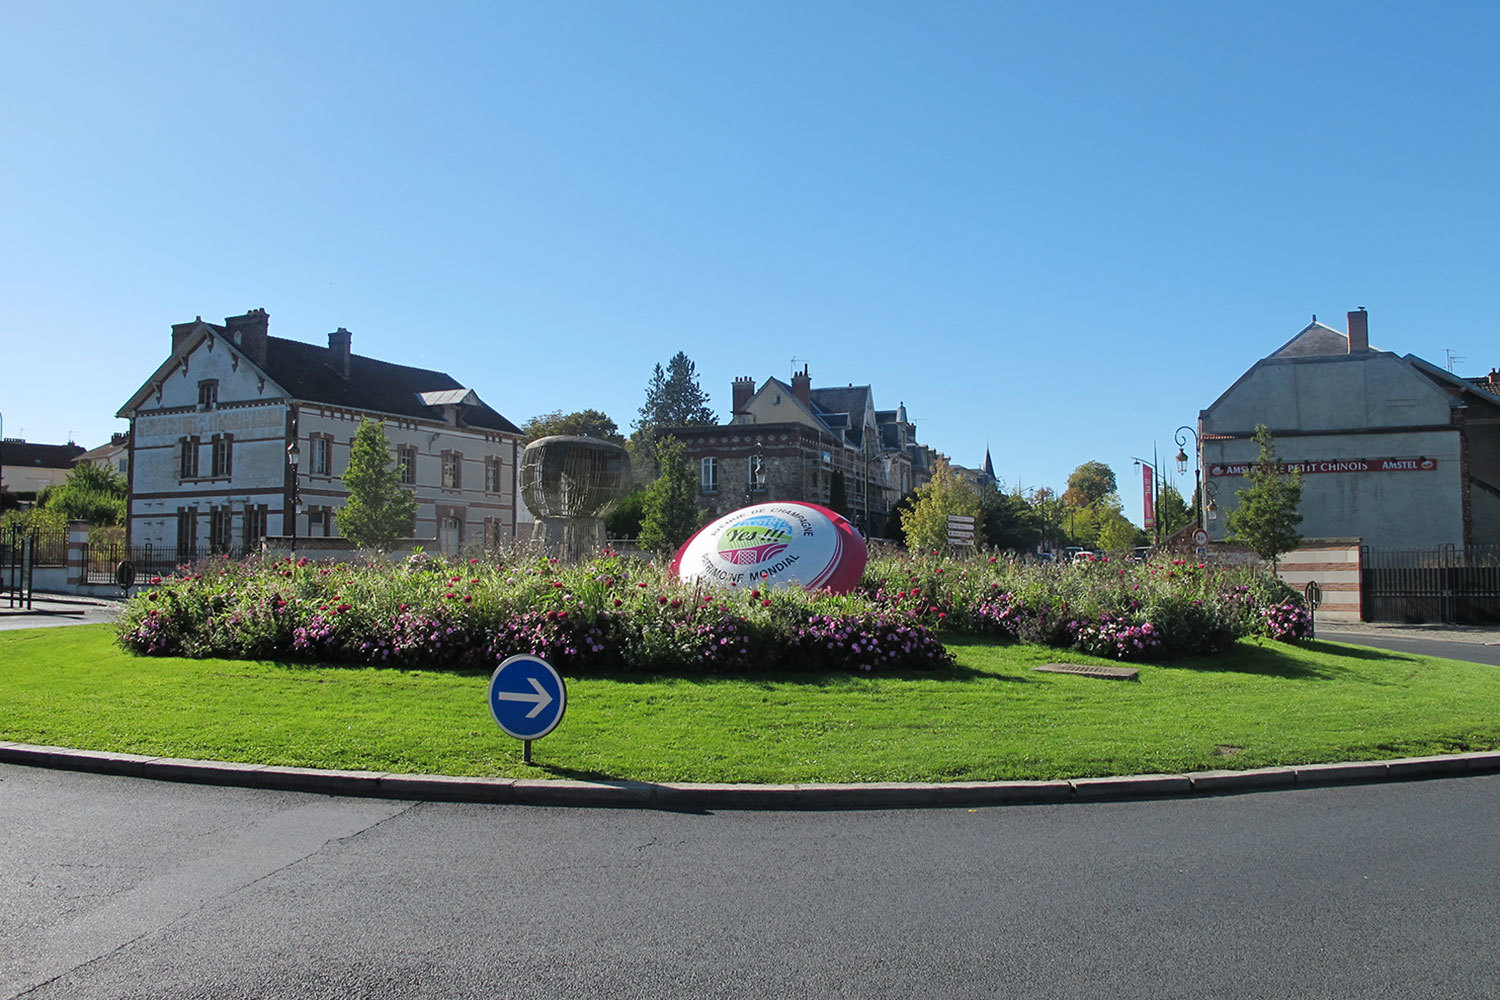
(693,795)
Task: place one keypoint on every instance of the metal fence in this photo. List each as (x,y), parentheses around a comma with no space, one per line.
(149,561)
(1443,584)
(17,559)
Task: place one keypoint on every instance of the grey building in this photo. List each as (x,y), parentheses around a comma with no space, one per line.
(1393,450)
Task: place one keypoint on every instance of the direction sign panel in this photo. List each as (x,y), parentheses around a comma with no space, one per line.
(527,697)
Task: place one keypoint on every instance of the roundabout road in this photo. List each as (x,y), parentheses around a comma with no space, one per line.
(122,887)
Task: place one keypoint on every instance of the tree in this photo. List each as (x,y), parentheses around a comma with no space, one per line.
(673,399)
(670,511)
(583,423)
(1266,518)
(1172,511)
(1088,483)
(625,520)
(1117,534)
(378,510)
(1009,522)
(926,522)
(92,493)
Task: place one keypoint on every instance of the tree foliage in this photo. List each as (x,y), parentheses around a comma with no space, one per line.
(673,399)
(582,423)
(669,513)
(625,520)
(1172,512)
(838,493)
(92,493)
(1266,518)
(379,510)
(1009,521)
(925,523)
(1088,483)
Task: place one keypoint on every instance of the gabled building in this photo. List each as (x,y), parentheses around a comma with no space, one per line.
(791,441)
(114,456)
(27,468)
(1393,450)
(211,427)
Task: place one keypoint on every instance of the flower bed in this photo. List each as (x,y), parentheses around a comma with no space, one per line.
(621,614)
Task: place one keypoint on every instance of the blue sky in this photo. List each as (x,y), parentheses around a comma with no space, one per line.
(1054,229)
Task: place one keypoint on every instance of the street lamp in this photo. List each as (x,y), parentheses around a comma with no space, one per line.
(293,456)
(1158,483)
(1197,469)
(1210,502)
(753,474)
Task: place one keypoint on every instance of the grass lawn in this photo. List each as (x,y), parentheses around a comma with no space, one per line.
(1263,703)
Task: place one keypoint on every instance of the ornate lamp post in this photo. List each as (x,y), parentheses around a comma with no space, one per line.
(293,456)
(753,473)
(1182,460)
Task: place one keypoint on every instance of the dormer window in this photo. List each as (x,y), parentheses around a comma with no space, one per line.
(208,394)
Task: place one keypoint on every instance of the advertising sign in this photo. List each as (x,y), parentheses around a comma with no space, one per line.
(775,545)
(1148,495)
(1317,466)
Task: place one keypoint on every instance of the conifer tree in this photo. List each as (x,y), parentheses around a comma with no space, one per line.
(670,512)
(378,510)
(1266,518)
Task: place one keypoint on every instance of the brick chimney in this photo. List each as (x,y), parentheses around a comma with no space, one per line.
(741,389)
(338,350)
(180,332)
(1359,331)
(249,333)
(802,387)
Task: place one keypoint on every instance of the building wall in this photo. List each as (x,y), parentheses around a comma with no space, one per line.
(1370,406)
(261,427)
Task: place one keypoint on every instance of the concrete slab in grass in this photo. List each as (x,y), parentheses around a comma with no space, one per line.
(1088,670)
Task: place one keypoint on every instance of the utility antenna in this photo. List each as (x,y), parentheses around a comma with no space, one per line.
(1452,358)
(794,364)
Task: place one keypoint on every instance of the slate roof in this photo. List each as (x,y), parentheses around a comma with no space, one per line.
(39,456)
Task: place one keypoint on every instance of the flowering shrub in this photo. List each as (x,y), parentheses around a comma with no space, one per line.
(623,614)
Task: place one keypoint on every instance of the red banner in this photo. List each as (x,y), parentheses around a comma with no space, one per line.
(1148,498)
(1316,466)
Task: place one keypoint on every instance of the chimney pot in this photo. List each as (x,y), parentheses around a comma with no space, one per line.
(249,333)
(339,343)
(802,386)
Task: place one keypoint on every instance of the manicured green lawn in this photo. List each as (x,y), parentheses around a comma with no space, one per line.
(1263,703)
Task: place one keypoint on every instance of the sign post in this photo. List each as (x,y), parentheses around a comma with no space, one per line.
(527,699)
(961,531)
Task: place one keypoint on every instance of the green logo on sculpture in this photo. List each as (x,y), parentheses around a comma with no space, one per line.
(754,540)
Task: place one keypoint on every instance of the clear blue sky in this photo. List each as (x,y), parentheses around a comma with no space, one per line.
(1056,229)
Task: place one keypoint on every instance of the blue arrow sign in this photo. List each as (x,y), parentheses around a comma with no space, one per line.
(527,697)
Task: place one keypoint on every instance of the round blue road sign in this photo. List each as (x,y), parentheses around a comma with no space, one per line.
(527,697)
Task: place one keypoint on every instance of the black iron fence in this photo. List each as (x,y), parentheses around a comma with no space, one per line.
(149,561)
(17,558)
(1442,584)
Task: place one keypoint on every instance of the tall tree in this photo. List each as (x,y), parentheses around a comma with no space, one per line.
(1009,522)
(92,493)
(378,510)
(1172,511)
(1266,518)
(673,399)
(670,511)
(582,423)
(1088,483)
(838,493)
(925,523)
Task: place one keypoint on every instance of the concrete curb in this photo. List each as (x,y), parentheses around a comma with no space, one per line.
(696,796)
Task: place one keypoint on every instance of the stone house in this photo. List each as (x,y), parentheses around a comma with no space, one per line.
(789,441)
(211,427)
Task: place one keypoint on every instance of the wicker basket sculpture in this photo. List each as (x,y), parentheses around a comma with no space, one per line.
(570,484)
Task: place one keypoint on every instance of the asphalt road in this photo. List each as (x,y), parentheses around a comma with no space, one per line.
(1418,645)
(119,887)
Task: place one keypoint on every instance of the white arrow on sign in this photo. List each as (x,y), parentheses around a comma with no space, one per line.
(541,699)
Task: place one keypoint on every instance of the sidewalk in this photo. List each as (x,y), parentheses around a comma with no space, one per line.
(58,609)
(1485,635)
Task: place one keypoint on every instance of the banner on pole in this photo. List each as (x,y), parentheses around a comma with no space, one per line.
(1148,498)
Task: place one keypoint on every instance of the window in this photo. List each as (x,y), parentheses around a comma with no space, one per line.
(223,446)
(220,526)
(255,526)
(319,521)
(187,450)
(208,394)
(187,532)
(492,467)
(406,462)
(319,447)
(709,475)
(453,465)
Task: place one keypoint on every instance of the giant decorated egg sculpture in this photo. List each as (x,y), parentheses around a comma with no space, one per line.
(774,545)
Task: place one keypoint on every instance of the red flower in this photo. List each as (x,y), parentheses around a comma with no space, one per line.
(473,561)
(556,584)
(642,584)
(344,607)
(766,603)
(676,602)
(468,598)
(451,594)
(662,599)
(474,580)
(617,602)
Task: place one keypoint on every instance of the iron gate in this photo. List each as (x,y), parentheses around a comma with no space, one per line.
(1443,584)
